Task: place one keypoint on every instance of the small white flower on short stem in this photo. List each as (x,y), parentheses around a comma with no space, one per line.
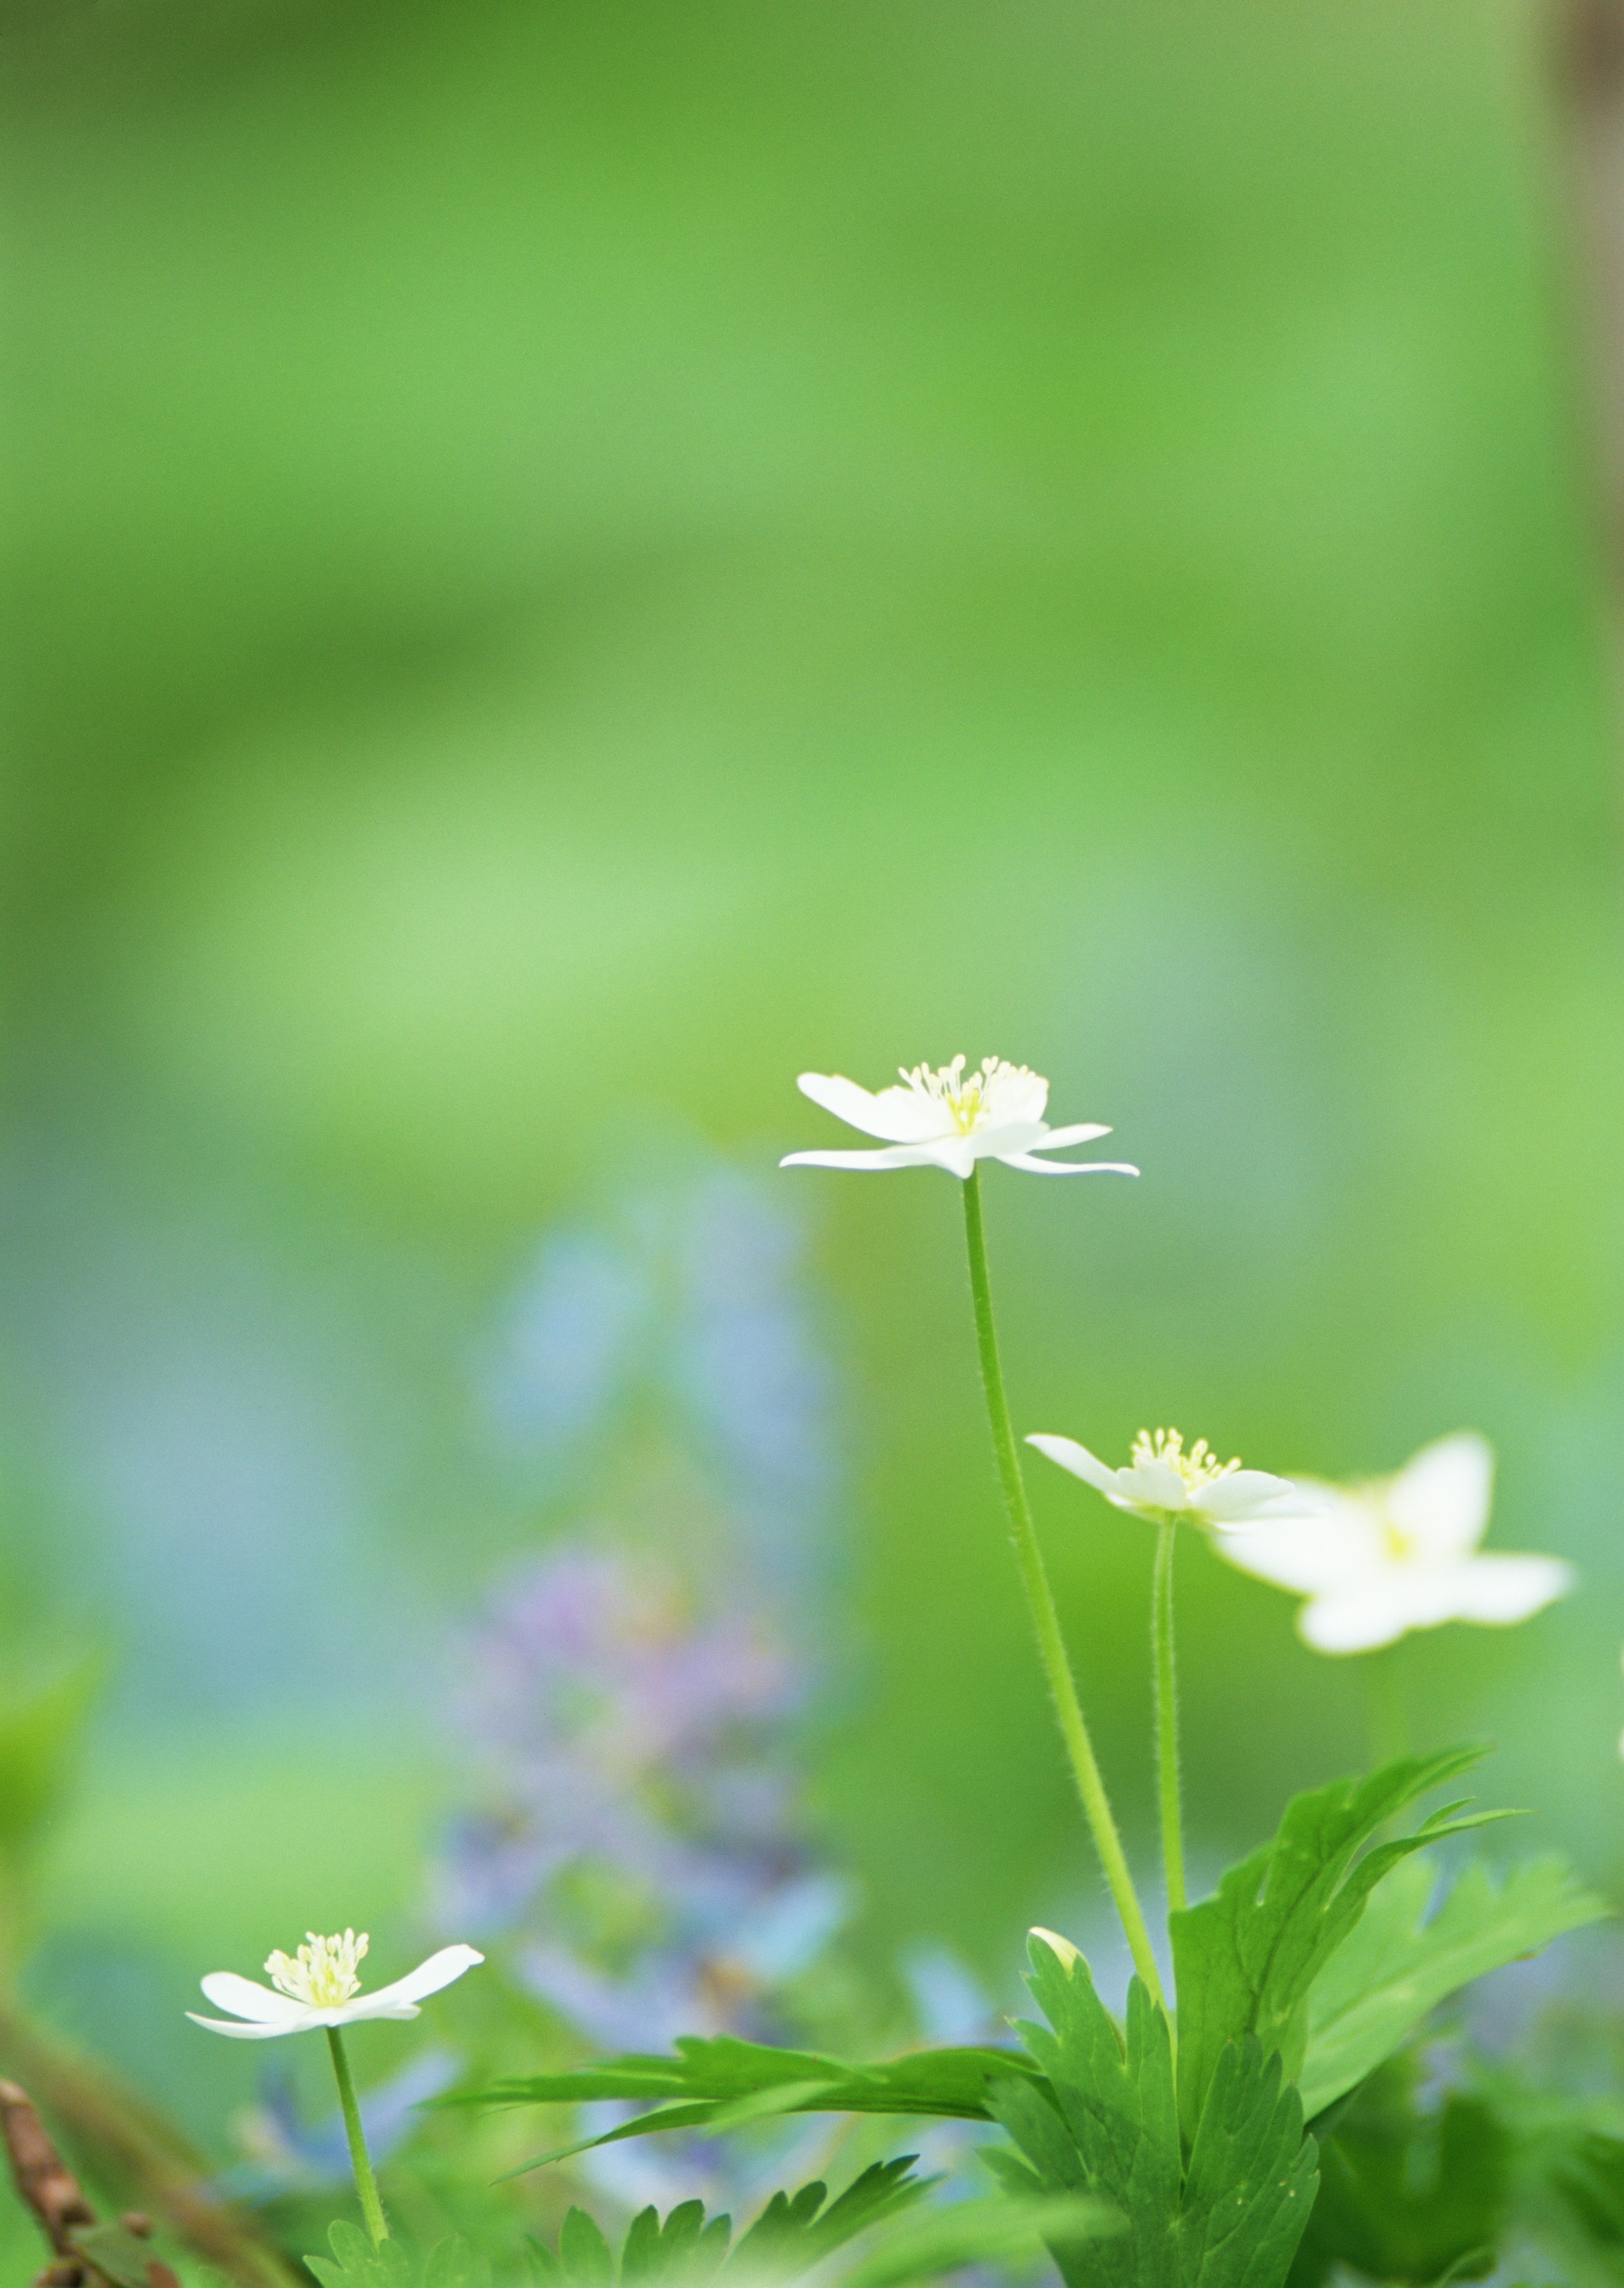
(1377,1559)
(1162,1480)
(319,1987)
(949,1118)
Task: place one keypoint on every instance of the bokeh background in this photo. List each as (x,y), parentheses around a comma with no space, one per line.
(566,564)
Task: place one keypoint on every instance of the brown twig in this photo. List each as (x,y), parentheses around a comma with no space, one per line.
(139,2150)
(68,2222)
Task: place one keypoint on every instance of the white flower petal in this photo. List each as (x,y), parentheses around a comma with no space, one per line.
(1078,1461)
(957,1154)
(890,1155)
(1352,1620)
(995,1138)
(261,2033)
(1153,1484)
(1033,1166)
(1311,1554)
(364,2006)
(899,1115)
(263,2004)
(1083,1132)
(1440,1498)
(1498,1589)
(1242,1495)
(428,1978)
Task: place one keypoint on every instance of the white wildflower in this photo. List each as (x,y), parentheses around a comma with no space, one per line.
(1162,1480)
(319,1987)
(949,1118)
(1379,1558)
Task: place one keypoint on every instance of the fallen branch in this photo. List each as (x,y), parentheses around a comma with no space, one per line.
(87,2254)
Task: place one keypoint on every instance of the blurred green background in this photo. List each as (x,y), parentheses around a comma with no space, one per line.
(564,565)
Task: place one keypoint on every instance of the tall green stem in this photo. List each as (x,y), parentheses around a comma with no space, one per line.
(1167,1716)
(1040,1600)
(365,2183)
(1384,1713)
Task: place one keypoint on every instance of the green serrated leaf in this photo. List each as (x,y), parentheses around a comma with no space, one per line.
(793,2233)
(1253,2175)
(455,2262)
(1231,2218)
(883,2190)
(1246,1959)
(684,2249)
(583,2252)
(717,2083)
(640,2256)
(355,2263)
(777,2246)
(543,2265)
(1399,1962)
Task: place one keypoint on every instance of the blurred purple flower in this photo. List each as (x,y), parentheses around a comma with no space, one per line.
(640,1843)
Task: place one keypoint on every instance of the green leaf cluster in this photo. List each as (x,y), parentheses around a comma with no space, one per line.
(795,2234)
(1227,2212)
(1400,1961)
(1315,1960)
(1406,2196)
(1247,1959)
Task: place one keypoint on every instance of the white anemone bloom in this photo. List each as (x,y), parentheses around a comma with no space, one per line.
(949,1118)
(1377,1559)
(319,1987)
(1162,1480)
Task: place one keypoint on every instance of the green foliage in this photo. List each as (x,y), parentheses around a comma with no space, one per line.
(1395,1966)
(355,2263)
(721,2082)
(1406,2195)
(792,2234)
(799,2231)
(455,2263)
(1588,2179)
(686,2247)
(1247,1957)
(41,1719)
(1229,2216)
(584,2259)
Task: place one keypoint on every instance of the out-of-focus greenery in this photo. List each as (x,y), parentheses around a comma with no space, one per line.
(563,565)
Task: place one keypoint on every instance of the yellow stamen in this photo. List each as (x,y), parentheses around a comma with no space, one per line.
(1200,1467)
(964,1097)
(323,1972)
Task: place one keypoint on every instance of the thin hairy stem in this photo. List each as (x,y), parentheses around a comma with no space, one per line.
(1167,1716)
(365,2183)
(1040,1601)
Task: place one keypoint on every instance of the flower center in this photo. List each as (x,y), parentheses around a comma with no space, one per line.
(1200,1466)
(1397,1546)
(966,1098)
(322,1972)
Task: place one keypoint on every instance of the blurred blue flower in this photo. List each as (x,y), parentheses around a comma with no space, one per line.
(286,2155)
(683,1306)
